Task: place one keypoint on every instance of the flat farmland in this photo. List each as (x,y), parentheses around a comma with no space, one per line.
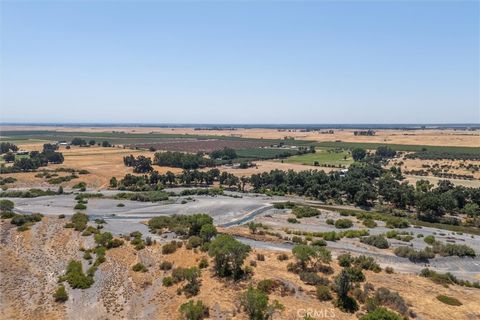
(201,145)
(323,157)
(429,137)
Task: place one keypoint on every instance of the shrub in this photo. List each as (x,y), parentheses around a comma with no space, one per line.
(395,222)
(79,221)
(378,241)
(267,285)
(391,299)
(60,295)
(305,212)
(169,248)
(366,263)
(7,214)
(314,279)
(347,304)
(25,219)
(167,282)
(166,265)
(450,249)
(194,241)
(282,257)
(75,276)
(80,206)
(139,268)
(391,234)
(343,223)
(429,239)
(319,243)
(203,263)
(389,270)
(369,223)
(120,205)
(414,255)
(61,216)
(22,228)
(330,221)
(355,274)
(381,314)
(446,279)
(323,293)
(6,205)
(331,236)
(292,220)
(345,260)
(260,257)
(255,303)
(297,239)
(449,300)
(194,310)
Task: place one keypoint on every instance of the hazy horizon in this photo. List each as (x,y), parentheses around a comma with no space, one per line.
(240,62)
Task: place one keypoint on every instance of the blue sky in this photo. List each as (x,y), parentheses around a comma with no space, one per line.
(240,62)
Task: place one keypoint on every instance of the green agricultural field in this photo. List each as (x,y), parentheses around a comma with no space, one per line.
(128,138)
(324,156)
(261,153)
(397,147)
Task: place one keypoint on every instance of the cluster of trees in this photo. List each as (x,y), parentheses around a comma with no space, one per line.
(83,143)
(368,132)
(182,160)
(365,184)
(200,225)
(34,160)
(155,180)
(8,147)
(224,154)
(441,155)
(141,164)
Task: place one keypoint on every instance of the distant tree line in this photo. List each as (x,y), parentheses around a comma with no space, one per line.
(83,143)
(436,155)
(368,132)
(157,181)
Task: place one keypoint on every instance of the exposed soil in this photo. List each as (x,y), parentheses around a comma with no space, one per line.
(31,262)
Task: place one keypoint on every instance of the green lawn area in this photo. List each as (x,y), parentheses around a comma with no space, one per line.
(324,156)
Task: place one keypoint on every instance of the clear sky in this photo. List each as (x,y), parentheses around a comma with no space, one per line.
(240,62)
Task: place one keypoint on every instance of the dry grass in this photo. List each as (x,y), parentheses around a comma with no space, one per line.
(127,294)
(102,163)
